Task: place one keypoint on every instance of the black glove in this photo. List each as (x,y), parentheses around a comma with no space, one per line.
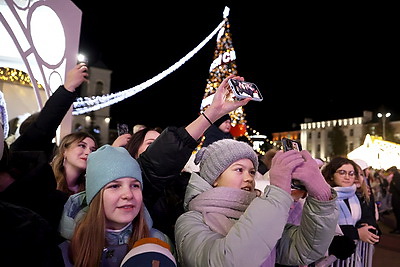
(342,247)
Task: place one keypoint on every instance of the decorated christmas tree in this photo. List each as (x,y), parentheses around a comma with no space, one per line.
(222,66)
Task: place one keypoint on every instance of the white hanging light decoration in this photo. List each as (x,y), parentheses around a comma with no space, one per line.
(88,104)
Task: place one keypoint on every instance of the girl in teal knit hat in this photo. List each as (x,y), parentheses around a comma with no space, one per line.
(116,217)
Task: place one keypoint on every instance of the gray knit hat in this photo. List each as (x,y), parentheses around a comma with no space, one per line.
(107,164)
(218,156)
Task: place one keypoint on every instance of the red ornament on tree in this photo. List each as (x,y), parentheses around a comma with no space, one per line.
(238,130)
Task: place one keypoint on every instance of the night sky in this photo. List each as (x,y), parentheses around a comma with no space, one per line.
(316,61)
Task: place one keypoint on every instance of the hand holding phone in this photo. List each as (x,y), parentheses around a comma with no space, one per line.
(289,144)
(242,90)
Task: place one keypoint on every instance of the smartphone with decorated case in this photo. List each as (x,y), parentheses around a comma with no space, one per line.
(242,90)
(289,144)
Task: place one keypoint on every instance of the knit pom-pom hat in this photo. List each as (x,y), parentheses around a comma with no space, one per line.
(218,156)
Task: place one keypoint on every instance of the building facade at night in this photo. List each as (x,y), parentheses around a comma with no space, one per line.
(362,140)
(360,132)
(314,135)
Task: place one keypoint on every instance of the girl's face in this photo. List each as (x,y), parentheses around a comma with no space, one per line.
(367,172)
(226,126)
(148,139)
(76,155)
(344,176)
(239,174)
(358,180)
(122,200)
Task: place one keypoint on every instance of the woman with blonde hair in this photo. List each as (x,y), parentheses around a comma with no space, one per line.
(69,162)
(364,193)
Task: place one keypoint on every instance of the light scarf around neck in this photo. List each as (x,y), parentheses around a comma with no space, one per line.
(348,216)
(222,206)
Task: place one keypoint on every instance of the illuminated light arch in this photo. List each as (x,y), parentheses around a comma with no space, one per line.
(40,38)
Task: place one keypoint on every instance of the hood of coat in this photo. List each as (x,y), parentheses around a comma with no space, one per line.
(196,186)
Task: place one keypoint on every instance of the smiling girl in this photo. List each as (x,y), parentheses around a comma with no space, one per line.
(115,218)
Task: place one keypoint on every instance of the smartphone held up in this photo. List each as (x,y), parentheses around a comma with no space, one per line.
(122,128)
(242,90)
(289,144)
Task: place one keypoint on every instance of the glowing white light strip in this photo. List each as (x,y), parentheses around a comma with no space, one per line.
(87,104)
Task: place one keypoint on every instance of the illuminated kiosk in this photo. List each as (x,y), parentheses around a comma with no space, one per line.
(378,153)
(40,38)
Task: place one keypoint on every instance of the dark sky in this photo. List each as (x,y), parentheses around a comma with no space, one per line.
(317,61)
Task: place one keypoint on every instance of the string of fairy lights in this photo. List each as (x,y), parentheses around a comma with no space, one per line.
(17,77)
(87,104)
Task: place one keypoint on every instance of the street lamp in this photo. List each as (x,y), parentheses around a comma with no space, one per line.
(384,116)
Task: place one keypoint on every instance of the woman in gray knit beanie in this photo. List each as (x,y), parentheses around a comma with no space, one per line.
(226,221)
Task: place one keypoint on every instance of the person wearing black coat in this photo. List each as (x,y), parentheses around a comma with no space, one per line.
(27,184)
(220,129)
(39,134)
(367,203)
(29,156)
(162,163)
(27,237)
(394,189)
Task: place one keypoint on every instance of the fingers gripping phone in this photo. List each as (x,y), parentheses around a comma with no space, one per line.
(289,144)
(242,90)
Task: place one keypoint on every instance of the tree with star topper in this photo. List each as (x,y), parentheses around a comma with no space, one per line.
(222,66)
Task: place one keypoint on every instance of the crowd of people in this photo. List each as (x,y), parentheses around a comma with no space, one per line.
(78,204)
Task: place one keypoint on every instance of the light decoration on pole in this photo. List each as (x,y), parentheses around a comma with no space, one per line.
(384,116)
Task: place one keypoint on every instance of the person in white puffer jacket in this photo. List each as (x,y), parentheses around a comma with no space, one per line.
(227,223)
